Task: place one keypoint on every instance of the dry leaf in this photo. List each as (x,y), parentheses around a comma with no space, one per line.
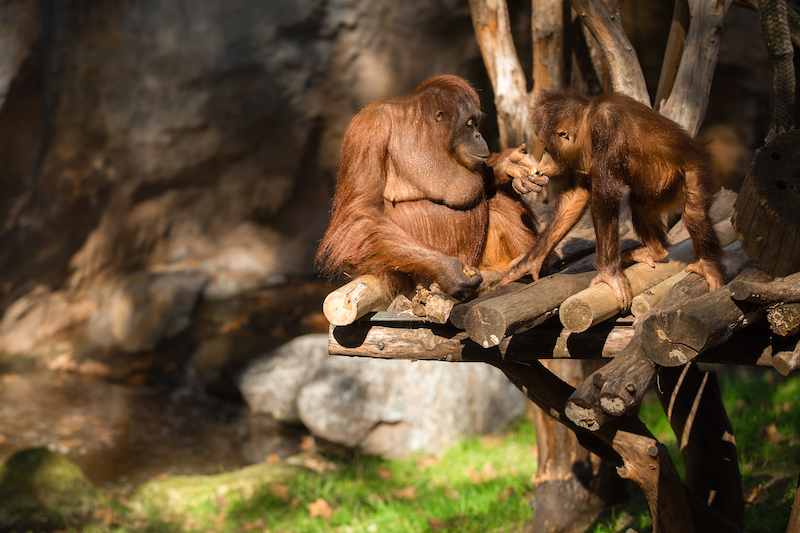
(273,458)
(474,476)
(755,495)
(321,509)
(423,463)
(452,494)
(255,524)
(488,471)
(438,524)
(280,491)
(504,494)
(318,464)
(384,472)
(407,493)
(307,443)
(93,368)
(770,434)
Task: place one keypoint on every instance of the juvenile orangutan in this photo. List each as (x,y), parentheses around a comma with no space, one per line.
(419,198)
(604,146)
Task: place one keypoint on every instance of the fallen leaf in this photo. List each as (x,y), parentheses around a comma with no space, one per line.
(452,494)
(407,493)
(474,476)
(234,324)
(218,519)
(255,524)
(273,458)
(423,463)
(770,434)
(306,443)
(488,471)
(318,464)
(280,491)
(384,473)
(93,368)
(437,524)
(755,495)
(321,509)
(505,493)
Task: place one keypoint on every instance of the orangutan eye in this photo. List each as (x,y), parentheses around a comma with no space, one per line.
(563,135)
(471,122)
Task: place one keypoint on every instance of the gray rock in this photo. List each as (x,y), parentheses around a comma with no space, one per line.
(384,407)
(271,384)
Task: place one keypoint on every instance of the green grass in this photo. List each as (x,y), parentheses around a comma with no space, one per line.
(484,484)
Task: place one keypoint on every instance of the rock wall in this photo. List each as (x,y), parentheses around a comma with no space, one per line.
(186,136)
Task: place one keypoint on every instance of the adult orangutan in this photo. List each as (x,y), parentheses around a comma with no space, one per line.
(419,198)
(604,146)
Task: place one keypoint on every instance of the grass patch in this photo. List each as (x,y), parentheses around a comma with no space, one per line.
(484,484)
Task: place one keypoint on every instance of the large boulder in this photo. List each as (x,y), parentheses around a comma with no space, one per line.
(383,407)
(41,490)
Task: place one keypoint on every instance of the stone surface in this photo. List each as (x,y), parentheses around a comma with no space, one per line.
(387,408)
(271,384)
(189,136)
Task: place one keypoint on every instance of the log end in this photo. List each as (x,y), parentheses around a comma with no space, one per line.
(673,338)
(485,325)
(584,417)
(576,315)
(765,214)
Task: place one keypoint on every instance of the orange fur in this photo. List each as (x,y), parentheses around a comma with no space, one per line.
(414,202)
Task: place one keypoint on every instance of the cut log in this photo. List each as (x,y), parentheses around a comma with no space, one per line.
(618,387)
(786,362)
(350,302)
(693,404)
(779,291)
(673,338)
(489,322)
(512,314)
(595,304)
(766,213)
(644,302)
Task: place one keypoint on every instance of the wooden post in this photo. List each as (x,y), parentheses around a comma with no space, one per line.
(693,404)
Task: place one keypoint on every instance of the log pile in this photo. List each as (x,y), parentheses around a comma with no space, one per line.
(753,320)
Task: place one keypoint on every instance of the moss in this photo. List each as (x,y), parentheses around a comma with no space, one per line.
(41,490)
(179,494)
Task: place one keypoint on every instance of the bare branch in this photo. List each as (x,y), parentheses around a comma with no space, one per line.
(493,32)
(606,27)
(689,99)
